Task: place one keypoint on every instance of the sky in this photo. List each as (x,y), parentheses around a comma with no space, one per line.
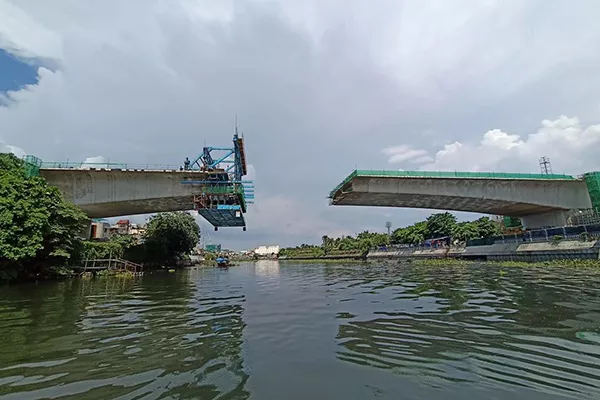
(319,88)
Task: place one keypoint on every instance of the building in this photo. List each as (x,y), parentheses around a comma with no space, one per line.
(99,230)
(213,248)
(265,251)
(123,227)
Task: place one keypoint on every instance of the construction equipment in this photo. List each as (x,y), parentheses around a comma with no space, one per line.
(223,195)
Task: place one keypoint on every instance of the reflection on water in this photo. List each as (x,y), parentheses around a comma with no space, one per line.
(274,330)
(531,328)
(268,268)
(116,338)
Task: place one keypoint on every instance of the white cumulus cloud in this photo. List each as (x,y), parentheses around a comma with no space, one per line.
(571,147)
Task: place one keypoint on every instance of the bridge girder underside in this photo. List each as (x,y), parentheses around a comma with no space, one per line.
(136,207)
(441,202)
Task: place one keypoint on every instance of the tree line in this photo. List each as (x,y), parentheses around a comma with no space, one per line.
(438,225)
(41,233)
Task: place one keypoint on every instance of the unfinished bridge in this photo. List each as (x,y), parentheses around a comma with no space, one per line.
(212,183)
(540,200)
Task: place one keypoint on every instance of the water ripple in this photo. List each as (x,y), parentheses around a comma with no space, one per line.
(503,332)
(297,331)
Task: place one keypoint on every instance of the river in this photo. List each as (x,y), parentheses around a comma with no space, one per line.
(272,330)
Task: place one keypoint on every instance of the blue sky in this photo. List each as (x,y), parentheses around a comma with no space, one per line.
(15,73)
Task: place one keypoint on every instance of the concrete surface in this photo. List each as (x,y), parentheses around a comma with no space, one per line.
(114,193)
(539,202)
(528,252)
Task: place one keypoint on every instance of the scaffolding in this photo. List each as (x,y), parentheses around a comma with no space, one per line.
(511,222)
(32,166)
(592,181)
(224,196)
(584,217)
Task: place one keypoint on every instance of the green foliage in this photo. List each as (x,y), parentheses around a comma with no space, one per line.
(556,239)
(169,236)
(99,250)
(487,228)
(464,231)
(441,224)
(38,229)
(412,234)
(343,246)
(444,224)
(437,225)
(126,241)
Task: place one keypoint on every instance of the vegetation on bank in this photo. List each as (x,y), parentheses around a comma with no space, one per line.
(435,226)
(40,233)
(38,228)
(169,238)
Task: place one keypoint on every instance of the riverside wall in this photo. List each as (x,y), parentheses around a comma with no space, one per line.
(525,252)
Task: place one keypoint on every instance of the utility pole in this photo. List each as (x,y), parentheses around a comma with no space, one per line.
(545,166)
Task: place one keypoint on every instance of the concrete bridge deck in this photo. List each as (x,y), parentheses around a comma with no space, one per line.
(103,193)
(540,200)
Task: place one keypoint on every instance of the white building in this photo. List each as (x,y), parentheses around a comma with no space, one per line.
(266,250)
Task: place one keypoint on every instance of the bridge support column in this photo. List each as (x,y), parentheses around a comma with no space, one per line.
(546,220)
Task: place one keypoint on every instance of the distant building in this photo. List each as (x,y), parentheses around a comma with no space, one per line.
(123,227)
(99,230)
(213,248)
(270,250)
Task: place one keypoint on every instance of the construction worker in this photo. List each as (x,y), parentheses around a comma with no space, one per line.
(186,164)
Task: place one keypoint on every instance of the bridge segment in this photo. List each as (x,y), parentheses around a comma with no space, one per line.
(540,200)
(102,190)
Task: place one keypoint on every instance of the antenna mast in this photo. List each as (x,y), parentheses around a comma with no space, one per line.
(545,166)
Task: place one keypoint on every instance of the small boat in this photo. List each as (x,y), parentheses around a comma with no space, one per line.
(222,262)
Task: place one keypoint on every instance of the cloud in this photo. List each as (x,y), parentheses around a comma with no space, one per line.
(22,35)
(90,161)
(571,147)
(398,154)
(7,148)
(319,88)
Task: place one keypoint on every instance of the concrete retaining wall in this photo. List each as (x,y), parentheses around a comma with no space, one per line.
(527,252)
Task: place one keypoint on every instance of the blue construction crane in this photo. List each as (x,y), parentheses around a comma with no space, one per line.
(225,195)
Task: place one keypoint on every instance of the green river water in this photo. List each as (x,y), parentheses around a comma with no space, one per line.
(272,330)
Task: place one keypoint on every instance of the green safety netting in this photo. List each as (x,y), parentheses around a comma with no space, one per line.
(32,166)
(447,174)
(592,180)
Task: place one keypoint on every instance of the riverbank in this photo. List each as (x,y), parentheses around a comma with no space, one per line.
(325,258)
(446,262)
(529,252)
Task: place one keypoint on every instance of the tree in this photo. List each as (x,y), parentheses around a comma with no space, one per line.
(38,229)
(441,224)
(486,227)
(171,235)
(413,234)
(464,231)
